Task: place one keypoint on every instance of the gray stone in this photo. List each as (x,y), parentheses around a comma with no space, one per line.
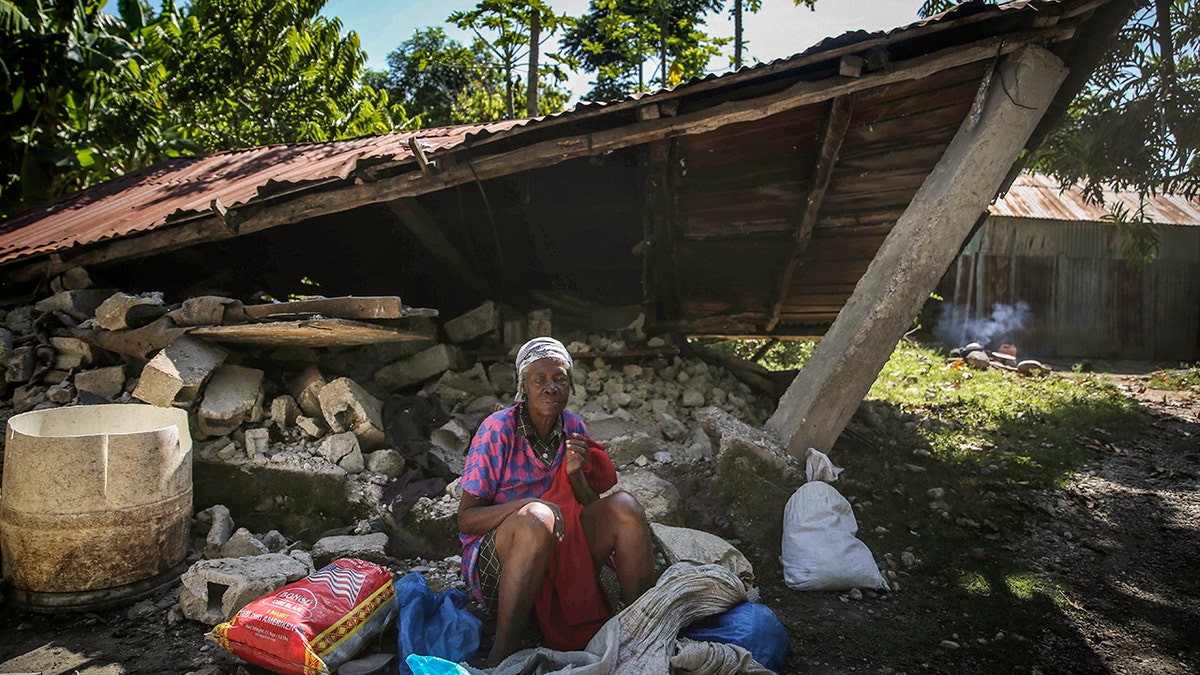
(503,376)
(663,457)
(672,429)
(243,544)
(229,399)
(1031,367)
(977,359)
(275,541)
(214,590)
(700,446)
(284,411)
(623,439)
(258,442)
(61,393)
(219,532)
(479,321)
(72,352)
(177,373)
(681,543)
(311,426)
(419,367)
(692,398)
(305,558)
(336,447)
(346,406)
(387,462)
(370,547)
(19,368)
(107,383)
(122,311)
(76,278)
(204,310)
(659,498)
(305,388)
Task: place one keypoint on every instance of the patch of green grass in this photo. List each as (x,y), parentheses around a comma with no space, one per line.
(952,471)
(1185,377)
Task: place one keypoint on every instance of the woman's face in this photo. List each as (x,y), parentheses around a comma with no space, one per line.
(547,387)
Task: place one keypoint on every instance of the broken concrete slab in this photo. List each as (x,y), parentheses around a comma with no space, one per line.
(138,343)
(430,530)
(454,387)
(284,411)
(342,449)
(258,442)
(346,406)
(659,498)
(419,367)
(242,543)
(214,590)
(305,388)
(229,399)
(78,352)
(754,477)
(311,426)
(503,376)
(122,311)
(681,543)
(480,321)
(624,440)
(207,310)
(370,547)
(219,532)
(176,374)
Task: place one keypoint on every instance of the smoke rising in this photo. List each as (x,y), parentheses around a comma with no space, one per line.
(955,329)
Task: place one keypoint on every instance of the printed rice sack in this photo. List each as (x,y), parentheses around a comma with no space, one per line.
(313,626)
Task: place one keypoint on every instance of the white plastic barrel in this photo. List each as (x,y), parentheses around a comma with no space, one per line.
(95,505)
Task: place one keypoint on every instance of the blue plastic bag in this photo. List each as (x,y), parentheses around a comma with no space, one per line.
(749,625)
(434,625)
(432,665)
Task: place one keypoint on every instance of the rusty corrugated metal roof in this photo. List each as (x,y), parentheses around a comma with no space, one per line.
(1035,195)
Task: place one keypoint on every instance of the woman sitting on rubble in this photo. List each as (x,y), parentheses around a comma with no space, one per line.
(534,530)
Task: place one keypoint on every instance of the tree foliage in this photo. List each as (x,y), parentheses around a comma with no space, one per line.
(443,82)
(618,39)
(1136,124)
(86,95)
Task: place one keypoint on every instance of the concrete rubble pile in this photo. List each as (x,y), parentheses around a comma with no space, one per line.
(311,449)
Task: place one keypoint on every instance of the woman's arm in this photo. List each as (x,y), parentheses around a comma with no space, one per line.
(478,517)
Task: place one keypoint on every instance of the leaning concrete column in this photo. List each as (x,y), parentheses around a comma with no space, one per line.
(826,392)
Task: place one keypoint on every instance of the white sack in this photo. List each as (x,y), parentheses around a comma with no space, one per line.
(820,552)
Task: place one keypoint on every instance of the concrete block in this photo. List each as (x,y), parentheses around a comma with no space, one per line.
(370,547)
(55,376)
(20,365)
(311,426)
(76,278)
(346,406)
(84,301)
(76,352)
(420,367)
(220,532)
(624,440)
(284,411)
(479,321)
(275,541)
(503,376)
(387,462)
(122,311)
(107,383)
(305,388)
(243,544)
(343,449)
(177,373)
(229,399)
(258,442)
(204,310)
(214,590)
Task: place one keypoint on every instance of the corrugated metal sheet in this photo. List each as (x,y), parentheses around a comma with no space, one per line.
(1040,196)
(147,199)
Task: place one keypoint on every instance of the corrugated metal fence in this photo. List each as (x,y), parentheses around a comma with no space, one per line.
(1062,289)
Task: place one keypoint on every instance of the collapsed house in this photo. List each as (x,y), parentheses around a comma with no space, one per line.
(821,195)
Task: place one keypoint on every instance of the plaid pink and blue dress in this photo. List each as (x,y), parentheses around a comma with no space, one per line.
(501,467)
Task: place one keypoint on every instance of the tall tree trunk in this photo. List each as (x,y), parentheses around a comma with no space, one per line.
(531,91)
(737,34)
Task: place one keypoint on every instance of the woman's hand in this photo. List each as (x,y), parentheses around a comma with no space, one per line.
(577,454)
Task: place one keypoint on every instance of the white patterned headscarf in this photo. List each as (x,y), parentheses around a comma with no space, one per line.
(535,350)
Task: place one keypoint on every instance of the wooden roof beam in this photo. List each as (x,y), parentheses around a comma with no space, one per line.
(422,225)
(841,109)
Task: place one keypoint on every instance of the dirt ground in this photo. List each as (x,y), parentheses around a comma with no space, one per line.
(1125,532)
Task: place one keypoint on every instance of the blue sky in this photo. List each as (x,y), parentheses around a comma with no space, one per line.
(780,29)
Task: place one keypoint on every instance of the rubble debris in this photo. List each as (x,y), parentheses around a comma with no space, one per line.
(346,406)
(387,462)
(258,442)
(480,321)
(419,367)
(305,388)
(214,590)
(76,302)
(370,547)
(284,411)
(659,498)
(106,383)
(219,532)
(233,397)
(208,310)
(243,544)
(684,544)
(121,311)
(177,373)
(344,451)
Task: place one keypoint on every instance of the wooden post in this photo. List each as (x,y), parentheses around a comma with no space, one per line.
(828,389)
